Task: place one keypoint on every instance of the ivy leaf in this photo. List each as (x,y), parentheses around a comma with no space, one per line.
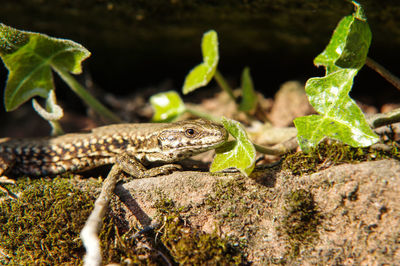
(167,106)
(249,97)
(348,47)
(239,154)
(340,118)
(203,73)
(29,57)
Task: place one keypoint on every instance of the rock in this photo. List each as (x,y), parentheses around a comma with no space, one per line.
(290,102)
(347,214)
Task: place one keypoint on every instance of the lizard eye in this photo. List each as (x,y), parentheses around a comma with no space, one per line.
(190,132)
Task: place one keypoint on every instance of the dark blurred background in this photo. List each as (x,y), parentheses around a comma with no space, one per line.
(141,43)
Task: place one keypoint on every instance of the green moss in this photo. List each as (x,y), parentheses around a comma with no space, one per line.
(300,221)
(191,246)
(225,192)
(43,225)
(175,242)
(329,153)
(126,249)
(241,205)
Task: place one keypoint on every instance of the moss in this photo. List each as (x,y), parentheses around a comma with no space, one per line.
(191,246)
(225,192)
(175,242)
(231,199)
(241,205)
(127,249)
(43,225)
(300,221)
(329,153)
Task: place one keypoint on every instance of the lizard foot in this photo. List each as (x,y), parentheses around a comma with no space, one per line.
(6,180)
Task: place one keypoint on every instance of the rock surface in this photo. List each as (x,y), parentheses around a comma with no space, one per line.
(347,214)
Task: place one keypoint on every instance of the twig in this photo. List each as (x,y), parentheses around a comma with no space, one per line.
(280,148)
(382,147)
(395,81)
(90,231)
(384,119)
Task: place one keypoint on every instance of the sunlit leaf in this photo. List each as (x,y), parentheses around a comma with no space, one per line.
(249,97)
(239,154)
(167,106)
(349,44)
(203,73)
(340,118)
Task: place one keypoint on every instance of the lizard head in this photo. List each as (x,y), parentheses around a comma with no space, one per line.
(186,138)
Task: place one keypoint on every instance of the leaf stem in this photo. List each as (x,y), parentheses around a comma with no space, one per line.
(203,115)
(223,84)
(395,81)
(52,116)
(86,96)
(278,149)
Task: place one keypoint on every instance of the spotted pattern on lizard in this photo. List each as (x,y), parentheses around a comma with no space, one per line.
(140,144)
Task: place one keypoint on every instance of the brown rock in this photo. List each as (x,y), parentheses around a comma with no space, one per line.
(353,210)
(290,102)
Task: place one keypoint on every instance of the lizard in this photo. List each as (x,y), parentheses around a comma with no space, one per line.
(133,146)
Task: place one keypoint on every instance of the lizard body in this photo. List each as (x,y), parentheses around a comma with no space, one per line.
(131,145)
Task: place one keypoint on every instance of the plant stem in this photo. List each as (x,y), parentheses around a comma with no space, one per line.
(86,96)
(279,149)
(395,81)
(203,115)
(223,84)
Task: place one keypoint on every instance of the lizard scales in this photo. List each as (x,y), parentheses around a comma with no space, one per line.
(144,143)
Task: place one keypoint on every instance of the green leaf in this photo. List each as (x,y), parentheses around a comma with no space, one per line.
(340,118)
(249,97)
(239,154)
(348,47)
(203,73)
(29,58)
(167,106)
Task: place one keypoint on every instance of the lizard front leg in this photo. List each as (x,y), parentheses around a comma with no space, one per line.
(132,166)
